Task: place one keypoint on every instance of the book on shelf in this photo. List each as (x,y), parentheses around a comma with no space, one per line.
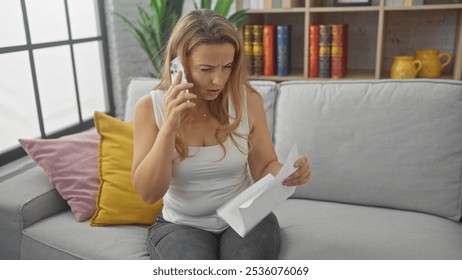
(272,4)
(339,50)
(257,47)
(394,3)
(283,50)
(413,2)
(276,4)
(324,50)
(269,50)
(248,47)
(291,3)
(253,4)
(313,54)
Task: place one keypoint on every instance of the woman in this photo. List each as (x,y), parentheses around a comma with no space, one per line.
(195,149)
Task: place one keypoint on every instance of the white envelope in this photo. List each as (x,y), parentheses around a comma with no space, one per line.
(252,205)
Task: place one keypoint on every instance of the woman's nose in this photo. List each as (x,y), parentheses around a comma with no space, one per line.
(218,78)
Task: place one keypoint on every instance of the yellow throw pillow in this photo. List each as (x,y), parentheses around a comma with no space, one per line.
(118,202)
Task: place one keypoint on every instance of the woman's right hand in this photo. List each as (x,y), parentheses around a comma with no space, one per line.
(175,103)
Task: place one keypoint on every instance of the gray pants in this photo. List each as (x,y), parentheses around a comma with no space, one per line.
(169,241)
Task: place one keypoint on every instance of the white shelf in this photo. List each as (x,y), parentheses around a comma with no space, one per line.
(379,20)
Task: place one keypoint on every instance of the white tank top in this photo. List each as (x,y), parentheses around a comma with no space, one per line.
(202,183)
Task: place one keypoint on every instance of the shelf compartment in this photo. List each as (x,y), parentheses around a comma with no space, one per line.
(362,36)
(374,33)
(297,25)
(432,29)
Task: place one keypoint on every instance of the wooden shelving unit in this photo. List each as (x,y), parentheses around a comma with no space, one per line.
(376,34)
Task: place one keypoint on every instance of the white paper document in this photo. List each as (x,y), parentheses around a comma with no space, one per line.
(252,205)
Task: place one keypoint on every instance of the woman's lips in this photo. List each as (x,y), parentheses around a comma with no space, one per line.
(214,91)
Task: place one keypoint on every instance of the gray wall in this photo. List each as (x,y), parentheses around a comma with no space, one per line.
(127,59)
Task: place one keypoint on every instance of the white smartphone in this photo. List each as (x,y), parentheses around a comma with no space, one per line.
(175,67)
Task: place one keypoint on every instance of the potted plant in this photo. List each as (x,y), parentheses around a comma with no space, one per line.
(154,28)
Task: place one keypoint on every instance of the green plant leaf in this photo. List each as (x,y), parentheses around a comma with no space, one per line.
(176,6)
(222,7)
(143,17)
(137,34)
(238,17)
(144,20)
(153,29)
(206,4)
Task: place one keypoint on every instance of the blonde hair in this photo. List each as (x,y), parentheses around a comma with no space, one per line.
(200,27)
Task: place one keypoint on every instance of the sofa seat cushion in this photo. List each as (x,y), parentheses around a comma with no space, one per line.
(327,230)
(61,237)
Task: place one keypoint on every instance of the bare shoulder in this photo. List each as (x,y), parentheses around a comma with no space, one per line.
(254,99)
(144,103)
(144,111)
(255,109)
(143,107)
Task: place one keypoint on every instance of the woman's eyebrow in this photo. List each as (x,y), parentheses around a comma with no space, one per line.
(208,65)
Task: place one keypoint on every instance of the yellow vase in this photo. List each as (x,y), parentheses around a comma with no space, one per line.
(432,62)
(405,67)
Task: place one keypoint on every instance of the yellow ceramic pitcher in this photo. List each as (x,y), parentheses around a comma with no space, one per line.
(432,62)
(405,67)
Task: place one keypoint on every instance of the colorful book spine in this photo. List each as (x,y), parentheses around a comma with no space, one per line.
(313,56)
(339,50)
(276,4)
(257,44)
(283,47)
(246,4)
(248,48)
(291,3)
(324,51)
(269,50)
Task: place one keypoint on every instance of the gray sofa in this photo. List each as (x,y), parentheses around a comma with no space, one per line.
(386,159)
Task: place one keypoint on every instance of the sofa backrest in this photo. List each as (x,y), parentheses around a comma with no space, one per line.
(268,90)
(140,86)
(137,88)
(385,143)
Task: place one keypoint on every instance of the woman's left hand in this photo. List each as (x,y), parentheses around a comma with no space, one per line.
(301,175)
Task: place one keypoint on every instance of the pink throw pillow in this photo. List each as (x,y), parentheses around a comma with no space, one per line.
(71,164)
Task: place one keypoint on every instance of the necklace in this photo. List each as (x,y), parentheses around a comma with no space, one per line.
(204,115)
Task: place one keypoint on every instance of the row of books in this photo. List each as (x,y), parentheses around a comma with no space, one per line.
(404,2)
(271,4)
(267,48)
(328,51)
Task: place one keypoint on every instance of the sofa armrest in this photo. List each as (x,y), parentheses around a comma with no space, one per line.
(25,199)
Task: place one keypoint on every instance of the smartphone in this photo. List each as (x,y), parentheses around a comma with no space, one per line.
(175,67)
